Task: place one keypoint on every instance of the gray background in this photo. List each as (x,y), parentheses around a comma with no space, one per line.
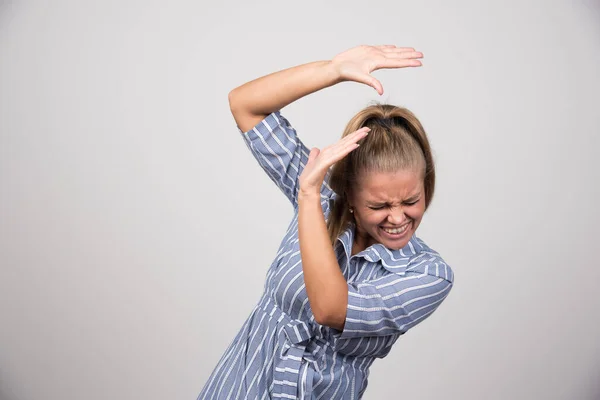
(136,228)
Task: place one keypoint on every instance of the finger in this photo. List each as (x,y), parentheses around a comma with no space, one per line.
(399,63)
(355,136)
(370,81)
(332,156)
(348,148)
(342,152)
(386,46)
(314,152)
(397,49)
(349,142)
(361,131)
(375,84)
(403,54)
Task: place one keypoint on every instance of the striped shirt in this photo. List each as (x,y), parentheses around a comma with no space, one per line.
(281,351)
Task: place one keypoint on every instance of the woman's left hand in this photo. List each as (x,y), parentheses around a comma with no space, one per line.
(319,161)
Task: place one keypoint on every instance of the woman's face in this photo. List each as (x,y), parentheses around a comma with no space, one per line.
(388,207)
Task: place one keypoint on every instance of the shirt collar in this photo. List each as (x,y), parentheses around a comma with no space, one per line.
(393,260)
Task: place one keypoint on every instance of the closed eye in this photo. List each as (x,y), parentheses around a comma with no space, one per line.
(381,207)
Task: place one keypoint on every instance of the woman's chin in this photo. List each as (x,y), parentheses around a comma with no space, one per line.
(395,245)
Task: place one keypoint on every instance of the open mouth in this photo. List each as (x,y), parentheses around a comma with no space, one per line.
(396,233)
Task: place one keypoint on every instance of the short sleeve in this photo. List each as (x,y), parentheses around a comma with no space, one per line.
(395,303)
(276,146)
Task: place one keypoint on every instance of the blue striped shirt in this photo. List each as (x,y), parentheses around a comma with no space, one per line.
(281,351)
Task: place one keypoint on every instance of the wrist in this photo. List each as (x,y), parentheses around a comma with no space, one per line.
(309,194)
(333,72)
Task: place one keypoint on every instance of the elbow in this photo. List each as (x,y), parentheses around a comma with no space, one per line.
(330,319)
(232,98)
(331,310)
(234,107)
(322,315)
(321,318)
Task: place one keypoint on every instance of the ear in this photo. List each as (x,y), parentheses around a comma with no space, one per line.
(349,198)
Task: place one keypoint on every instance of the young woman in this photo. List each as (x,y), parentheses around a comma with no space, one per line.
(350,275)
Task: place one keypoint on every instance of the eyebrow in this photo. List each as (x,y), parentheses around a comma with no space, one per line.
(410,200)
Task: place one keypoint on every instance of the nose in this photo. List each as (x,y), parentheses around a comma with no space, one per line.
(396,216)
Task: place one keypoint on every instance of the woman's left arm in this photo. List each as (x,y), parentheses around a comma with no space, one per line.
(326,287)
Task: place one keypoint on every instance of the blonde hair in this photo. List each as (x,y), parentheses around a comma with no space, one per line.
(397,141)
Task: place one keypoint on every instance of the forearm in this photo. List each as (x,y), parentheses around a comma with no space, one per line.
(272,92)
(326,287)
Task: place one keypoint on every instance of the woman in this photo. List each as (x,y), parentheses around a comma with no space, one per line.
(350,276)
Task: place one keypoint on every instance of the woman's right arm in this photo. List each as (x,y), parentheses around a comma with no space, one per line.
(253,101)
(270,137)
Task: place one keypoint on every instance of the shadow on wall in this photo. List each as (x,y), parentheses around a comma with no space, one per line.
(5,392)
(594,392)
(5,395)
(6,14)
(592,6)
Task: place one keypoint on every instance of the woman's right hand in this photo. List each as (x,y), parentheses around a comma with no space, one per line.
(357,63)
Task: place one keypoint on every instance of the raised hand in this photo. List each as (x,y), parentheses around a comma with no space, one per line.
(357,63)
(319,161)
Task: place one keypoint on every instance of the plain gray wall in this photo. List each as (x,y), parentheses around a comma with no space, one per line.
(136,228)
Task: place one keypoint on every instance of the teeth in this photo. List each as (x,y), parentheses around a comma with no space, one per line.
(395,231)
